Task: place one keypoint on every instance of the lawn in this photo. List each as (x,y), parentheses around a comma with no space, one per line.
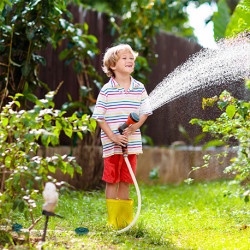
(196,216)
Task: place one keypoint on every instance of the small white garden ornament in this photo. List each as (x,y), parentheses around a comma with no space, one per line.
(50,196)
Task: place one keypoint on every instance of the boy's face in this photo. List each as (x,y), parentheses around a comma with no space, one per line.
(125,63)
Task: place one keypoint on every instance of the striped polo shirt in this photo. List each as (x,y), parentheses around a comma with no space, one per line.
(114,105)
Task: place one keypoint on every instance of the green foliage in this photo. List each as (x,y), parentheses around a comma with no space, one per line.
(111,6)
(213,143)
(154,174)
(192,141)
(3,3)
(247,84)
(240,20)
(233,123)
(24,170)
(226,24)
(221,20)
(26,28)
(197,139)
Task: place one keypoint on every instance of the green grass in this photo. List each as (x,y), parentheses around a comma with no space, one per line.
(196,216)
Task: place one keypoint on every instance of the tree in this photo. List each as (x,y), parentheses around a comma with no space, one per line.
(171,13)
(26,28)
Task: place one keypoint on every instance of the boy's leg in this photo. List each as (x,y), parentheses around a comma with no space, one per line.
(111,190)
(123,191)
(120,211)
(125,215)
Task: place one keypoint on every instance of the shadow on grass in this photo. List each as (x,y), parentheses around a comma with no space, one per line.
(140,237)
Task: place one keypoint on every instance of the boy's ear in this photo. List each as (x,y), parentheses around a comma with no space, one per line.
(112,67)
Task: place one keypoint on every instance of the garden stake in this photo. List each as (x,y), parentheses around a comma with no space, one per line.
(48,214)
(45,228)
(132,119)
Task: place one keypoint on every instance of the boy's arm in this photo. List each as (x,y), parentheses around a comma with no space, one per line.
(131,129)
(119,139)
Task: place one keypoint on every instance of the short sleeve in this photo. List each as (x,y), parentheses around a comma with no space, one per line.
(145,108)
(101,106)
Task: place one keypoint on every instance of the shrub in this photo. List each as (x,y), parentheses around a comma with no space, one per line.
(23,171)
(233,123)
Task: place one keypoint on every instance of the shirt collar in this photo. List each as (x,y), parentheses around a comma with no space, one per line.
(115,84)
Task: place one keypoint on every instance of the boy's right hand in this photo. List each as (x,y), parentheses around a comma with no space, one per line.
(119,139)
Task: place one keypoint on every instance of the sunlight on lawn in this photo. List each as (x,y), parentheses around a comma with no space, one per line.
(197,216)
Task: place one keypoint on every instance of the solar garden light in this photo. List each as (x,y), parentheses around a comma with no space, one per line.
(50,196)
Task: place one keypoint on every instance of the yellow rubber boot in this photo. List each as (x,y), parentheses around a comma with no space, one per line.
(120,213)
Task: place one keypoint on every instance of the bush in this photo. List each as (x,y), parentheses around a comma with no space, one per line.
(233,123)
(23,172)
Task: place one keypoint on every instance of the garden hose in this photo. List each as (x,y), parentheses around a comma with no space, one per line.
(132,118)
(138,197)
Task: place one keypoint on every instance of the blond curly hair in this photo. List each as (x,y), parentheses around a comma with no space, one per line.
(111,56)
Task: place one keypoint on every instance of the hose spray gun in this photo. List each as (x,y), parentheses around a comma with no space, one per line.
(132,119)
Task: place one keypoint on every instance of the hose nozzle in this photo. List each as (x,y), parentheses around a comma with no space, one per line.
(132,119)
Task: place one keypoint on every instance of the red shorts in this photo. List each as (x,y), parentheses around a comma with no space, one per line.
(116,170)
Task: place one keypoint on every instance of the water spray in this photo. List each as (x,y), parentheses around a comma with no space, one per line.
(208,68)
(132,119)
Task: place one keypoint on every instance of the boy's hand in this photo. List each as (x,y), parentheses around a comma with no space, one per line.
(121,140)
(129,130)
(132,128)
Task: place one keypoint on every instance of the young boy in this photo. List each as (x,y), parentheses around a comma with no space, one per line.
(116,100)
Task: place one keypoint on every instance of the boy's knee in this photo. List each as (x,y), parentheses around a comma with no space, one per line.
(125,184)
(111,185)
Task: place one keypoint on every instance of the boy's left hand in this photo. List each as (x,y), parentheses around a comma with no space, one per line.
(129,130)
(132,128)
